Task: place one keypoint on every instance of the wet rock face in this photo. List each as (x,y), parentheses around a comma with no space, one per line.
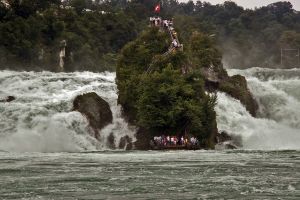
(111,141)
(143,137)
(223,137)
(95,109)
(126,143)
(236,86)
(225,141)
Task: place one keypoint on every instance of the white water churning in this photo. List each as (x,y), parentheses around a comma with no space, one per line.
(41,120)
(278,123)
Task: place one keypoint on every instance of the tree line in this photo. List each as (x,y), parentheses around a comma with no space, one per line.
(95,31)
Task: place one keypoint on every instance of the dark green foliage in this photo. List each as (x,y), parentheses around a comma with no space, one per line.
(135,59)
(290,43)
(156,95)
(203,51)
(290,39)
(164,98)
(31,33)
(245,37)
(79,5)
(172,103)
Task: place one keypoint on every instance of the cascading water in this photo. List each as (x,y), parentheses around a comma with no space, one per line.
(40,119)
(278,123)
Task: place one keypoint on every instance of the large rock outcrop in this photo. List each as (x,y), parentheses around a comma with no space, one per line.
(164,92)
(95,109)
(235,86)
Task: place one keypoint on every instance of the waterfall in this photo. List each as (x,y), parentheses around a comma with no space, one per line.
(278,123)
(41,120)
(62,54)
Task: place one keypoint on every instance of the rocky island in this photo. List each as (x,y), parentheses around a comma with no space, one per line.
(165,92)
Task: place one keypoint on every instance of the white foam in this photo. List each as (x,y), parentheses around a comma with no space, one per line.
(278,125)
(40,119)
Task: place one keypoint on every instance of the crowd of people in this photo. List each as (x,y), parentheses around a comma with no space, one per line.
(174,141)
(155,21)
(167,25)
(158,22)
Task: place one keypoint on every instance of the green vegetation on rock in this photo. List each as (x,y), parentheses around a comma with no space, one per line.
(157,96)
(165,93)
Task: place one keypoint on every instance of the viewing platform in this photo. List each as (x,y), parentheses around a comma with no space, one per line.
(175,147)
(174,143)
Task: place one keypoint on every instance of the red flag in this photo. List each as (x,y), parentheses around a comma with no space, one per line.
(157,8)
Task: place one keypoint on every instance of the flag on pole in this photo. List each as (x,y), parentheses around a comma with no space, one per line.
(157,8)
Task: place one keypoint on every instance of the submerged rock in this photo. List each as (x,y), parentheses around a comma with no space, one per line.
(225,141)
(225,145)
(111,141)
(126,143)
(223,137)
(8,99)
(95,109)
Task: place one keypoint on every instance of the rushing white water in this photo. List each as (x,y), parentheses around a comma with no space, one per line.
(278,123)
(41,120)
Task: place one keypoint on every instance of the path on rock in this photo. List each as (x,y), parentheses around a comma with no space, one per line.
(166,25)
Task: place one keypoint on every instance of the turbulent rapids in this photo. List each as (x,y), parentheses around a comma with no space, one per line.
(40,119)
(278,123)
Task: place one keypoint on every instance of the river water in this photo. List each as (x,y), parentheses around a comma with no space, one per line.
(151,175)
(46,151)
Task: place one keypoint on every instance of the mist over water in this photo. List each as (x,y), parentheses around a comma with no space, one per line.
(278,123)
(41,120)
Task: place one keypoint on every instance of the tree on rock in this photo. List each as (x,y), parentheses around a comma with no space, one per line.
(155,94)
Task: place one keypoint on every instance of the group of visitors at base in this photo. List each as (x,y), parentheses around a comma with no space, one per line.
(174,141)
